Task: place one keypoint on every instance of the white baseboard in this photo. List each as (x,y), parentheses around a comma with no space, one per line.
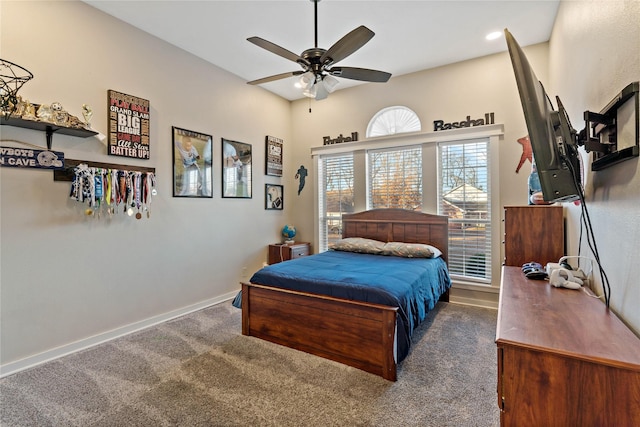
(55,353)
(485,297)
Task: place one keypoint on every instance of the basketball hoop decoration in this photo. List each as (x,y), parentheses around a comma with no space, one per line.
(12,77)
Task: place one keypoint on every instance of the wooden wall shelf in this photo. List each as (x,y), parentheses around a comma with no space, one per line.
(67,173)
(48,128)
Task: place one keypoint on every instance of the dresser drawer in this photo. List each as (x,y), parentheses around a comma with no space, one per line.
(299,251)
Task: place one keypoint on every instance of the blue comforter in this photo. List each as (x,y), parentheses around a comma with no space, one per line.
(411,284)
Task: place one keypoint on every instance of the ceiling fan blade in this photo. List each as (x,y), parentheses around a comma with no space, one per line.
(363,74)
(280,51)
(347,45)
(275,77)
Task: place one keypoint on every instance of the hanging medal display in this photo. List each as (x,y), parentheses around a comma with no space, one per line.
(149,191)
(129,204)
(107,193)
(137,182)
(98,190)
(102,189)
(114,190)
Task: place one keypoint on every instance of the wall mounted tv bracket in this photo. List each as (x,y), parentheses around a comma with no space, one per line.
(613,134)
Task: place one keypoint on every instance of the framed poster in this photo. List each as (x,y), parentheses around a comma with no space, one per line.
(192,165)
(128,126)
(236,169)
(273,159)
(273,197)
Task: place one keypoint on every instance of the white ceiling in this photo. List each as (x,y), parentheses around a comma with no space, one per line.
(410,35)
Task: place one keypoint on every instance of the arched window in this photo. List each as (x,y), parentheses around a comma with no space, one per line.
(391,120)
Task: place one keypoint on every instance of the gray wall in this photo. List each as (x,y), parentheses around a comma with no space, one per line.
(69,280)
(594,53)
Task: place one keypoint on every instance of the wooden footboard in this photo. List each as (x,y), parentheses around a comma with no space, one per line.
(357,334)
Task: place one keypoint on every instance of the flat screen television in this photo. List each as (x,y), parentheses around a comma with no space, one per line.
(553,140)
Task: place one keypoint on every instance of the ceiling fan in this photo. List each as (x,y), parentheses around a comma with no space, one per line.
(317,72)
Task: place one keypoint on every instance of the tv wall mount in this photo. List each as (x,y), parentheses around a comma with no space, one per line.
(603,134)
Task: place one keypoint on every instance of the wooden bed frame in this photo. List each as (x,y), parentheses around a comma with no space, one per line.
(355,333)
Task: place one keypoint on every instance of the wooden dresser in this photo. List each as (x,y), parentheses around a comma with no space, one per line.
(563,358)
(533,233)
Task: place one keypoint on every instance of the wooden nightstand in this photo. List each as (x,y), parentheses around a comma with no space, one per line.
(282,252)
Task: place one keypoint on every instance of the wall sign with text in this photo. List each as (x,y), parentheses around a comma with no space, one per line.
(327,140)
(128,126)
(488,119)
(33,159)
(273,158)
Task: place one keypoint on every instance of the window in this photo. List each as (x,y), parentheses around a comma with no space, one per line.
(395,178)
(444,172)
(464,196)
(392,120)
(335,178)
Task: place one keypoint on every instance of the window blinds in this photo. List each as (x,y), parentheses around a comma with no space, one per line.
(464,196)
(395,178)
(335,176)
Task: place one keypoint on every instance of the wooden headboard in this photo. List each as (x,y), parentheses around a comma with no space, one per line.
(399,225)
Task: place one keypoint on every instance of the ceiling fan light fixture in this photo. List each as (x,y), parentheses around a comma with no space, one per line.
(321,91)
(330,83)
(310,92)
(307,80)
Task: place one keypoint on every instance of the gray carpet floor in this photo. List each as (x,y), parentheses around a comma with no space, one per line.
(199,370)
